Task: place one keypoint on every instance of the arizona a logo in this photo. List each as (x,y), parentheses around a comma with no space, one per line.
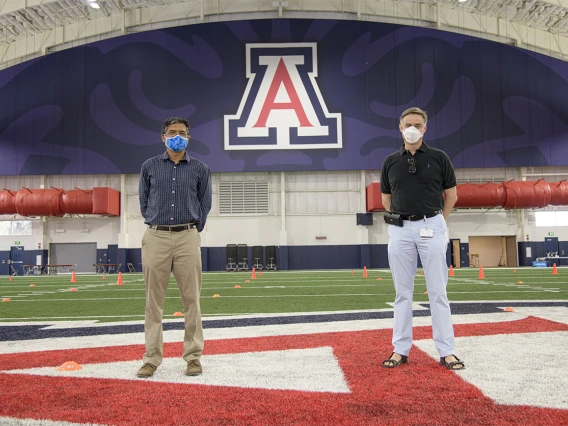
(282,107)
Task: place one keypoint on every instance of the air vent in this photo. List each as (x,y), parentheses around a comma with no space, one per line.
(243,198)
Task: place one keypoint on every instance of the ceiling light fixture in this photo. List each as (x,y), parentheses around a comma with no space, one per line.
(94,5)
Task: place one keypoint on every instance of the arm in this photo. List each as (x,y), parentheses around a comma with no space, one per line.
(386,193)
(451,196)
(386,199)
(204,196)
(144,190)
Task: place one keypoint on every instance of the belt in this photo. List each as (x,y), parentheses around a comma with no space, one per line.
(415,217)
(173,228)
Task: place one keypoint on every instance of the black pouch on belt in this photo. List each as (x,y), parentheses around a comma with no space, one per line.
(393,219)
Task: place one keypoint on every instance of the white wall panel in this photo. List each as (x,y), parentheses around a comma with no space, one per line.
(103,231)
(263,230)
(16,183)
(83,181)
(29,242)
(318,203)
(338,230)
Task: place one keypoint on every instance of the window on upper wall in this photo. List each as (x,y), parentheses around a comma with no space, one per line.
(16,227)
(557,218)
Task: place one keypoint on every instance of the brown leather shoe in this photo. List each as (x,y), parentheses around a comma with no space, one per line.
(193,368)
(147,370)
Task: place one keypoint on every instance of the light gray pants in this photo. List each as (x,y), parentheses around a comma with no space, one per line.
(162,251)
(405,244)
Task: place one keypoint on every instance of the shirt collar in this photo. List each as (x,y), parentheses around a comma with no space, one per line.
(423,148)
(165,156)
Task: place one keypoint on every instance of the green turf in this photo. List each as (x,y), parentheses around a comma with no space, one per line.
(274,292)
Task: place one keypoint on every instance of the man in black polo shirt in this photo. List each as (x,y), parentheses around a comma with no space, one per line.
(412,182)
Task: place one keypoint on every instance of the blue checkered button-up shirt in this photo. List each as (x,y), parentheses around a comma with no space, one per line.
(172,194)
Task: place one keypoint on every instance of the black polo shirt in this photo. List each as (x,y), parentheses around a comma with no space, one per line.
(419,193)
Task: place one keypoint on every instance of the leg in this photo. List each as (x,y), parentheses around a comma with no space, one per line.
(187,272)
(156,263)
(433,256)
(402,261)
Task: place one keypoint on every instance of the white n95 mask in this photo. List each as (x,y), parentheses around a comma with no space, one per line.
(412,134)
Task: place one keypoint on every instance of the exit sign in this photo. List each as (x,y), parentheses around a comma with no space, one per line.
(551,234)
(16,242)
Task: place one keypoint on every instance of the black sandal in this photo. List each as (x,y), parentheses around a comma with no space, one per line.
(392,363)
(452,365)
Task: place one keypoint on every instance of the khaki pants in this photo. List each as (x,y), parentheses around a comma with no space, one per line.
(163,251)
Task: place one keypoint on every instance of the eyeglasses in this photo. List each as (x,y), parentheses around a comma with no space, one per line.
(412,168)
(172,133)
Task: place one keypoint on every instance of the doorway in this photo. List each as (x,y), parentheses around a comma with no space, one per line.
(493,251)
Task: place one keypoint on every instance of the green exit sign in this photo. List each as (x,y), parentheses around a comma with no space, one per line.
(16,242)
(551,234)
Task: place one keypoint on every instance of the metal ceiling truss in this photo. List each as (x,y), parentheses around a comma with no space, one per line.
(31,28)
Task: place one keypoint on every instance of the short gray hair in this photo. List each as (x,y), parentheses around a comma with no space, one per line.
(415,110)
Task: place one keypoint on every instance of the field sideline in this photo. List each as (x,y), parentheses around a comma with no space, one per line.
(273,292)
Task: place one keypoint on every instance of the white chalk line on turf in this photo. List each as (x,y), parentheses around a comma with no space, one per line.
(75,300)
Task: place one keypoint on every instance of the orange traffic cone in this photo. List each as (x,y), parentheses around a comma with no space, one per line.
(6,299)
(253,276)
(119,282)
(177,314)
(10,278)
(554,270)
(481,274)
(452,271)
(73,277)
(365,272)
(260,274)
(104,277)
(509,309)
(514,270)
(352,272)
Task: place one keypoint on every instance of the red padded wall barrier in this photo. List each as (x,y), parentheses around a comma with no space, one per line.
(487,195)
(521,195)
(106,201)
(374,198)
(7,202)
(77,201)
(57,202)
(39,202)
(509,195)
(559,196)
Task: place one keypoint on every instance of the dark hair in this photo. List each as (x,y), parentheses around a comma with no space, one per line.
(174,120)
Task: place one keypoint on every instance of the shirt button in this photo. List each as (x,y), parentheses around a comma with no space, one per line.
(174,178)
(173,192)
(172,218)
(172,205)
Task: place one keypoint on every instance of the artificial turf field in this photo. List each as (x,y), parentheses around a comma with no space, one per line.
(286,348)
(101,299)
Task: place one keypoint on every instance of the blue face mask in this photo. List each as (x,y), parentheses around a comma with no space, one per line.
(177,143)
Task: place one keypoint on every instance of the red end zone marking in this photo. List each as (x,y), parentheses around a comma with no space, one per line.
(419,393)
